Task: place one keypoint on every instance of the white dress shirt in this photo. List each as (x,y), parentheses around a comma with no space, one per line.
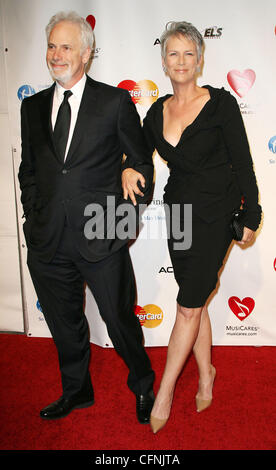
(74,102)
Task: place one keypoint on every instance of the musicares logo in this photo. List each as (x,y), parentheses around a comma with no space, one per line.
(144,92)
(241,308)
(241,82)
(150,316)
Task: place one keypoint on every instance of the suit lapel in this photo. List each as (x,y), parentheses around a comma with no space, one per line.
(88,112)
(46,117)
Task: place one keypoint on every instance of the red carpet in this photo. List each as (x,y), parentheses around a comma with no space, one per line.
(242,416)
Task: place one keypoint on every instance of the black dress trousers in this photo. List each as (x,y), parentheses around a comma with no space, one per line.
(60,289)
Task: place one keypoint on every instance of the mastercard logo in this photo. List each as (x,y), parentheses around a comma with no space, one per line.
(144,92)
(150,316)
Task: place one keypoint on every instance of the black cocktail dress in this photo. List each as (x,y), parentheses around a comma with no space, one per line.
(210,168)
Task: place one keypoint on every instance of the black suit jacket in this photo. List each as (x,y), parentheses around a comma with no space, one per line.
(211,166)
(107,127)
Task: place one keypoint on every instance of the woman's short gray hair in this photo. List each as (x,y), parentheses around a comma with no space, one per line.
(87,34)
(176,28)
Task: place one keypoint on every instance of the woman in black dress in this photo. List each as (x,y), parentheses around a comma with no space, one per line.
(199,131)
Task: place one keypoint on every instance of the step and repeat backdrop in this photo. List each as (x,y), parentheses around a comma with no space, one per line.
(240,51)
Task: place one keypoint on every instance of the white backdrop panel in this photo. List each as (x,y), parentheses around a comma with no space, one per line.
(239,36)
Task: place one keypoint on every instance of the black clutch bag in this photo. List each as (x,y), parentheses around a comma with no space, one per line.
(237,224)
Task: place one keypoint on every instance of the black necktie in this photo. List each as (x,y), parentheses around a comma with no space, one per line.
(62,125)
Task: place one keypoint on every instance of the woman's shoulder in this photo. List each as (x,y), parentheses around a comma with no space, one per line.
(223,102)
(220,94)
(157,106)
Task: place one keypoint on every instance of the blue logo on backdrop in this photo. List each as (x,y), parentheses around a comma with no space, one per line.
(38,306)
(272,144)
(24,91)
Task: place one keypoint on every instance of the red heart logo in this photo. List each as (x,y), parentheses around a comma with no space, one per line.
(241,308)
(91,20)
(241,82)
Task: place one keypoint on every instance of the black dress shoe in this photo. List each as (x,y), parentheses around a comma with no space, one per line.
(63,406)
(144,404)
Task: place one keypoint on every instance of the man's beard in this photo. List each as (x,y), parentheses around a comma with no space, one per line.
(64,77)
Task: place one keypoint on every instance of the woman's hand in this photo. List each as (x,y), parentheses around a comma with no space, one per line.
(130,180)
(248,236)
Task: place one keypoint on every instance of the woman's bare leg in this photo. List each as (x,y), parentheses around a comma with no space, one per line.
(182,340)
(202,352)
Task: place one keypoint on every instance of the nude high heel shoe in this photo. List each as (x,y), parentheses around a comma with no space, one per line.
(202,404)
(157,424)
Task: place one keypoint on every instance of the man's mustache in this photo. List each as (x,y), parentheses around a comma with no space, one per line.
(56,62)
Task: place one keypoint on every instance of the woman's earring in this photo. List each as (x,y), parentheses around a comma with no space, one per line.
(164,68)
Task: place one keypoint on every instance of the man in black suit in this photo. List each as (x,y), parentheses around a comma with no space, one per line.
(74,135)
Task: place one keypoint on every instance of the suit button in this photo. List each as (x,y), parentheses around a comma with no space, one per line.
(64,172)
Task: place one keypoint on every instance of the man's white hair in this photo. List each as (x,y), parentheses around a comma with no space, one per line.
(87,34)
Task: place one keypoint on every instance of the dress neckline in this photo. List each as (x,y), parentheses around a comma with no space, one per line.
(197,118)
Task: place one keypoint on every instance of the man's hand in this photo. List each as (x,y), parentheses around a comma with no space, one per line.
(248,235)
(130,180)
